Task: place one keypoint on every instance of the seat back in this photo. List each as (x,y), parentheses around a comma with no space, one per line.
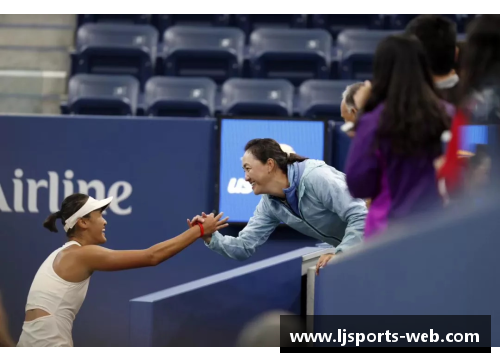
(211,52)
(322,98)
(294,54)
(114,18)
(251,97)
(103,95)
(164,21)
(117,49)
(356,50)
(335,23)
(176,97)
(251,22)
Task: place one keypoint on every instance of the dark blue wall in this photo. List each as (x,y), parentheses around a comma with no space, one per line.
(446,264)
(169,164)
(214,310)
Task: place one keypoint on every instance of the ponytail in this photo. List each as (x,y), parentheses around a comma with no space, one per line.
(70,205)
(50,222)
(293,157)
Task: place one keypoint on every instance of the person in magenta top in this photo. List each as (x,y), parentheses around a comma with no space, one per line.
(398,136)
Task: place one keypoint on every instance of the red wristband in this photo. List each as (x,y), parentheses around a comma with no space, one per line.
(201,228)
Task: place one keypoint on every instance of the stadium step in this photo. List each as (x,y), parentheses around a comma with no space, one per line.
(27,104)
(36,35)
(38,19)
(34,58)
(36,83)
(34,62)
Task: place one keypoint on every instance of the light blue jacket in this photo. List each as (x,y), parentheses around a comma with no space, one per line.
(328,213)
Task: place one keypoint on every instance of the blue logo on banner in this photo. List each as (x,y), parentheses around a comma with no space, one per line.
(236,198)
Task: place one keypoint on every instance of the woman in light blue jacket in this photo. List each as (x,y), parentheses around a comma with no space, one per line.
(307,195)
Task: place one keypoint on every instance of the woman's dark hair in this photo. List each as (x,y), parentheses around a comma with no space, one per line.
(481,58)
(265,148)
(438,35)
(413,118)
(70,205)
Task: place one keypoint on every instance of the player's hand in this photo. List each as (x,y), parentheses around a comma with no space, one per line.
(323,260)
(195,220)
(213,223)
(220,224)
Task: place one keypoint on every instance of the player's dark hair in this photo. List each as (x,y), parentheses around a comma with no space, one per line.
(265,148)
(70,205)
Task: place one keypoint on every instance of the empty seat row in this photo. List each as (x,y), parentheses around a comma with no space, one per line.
(198,97)
(220,53)
(247,23)
(250,22)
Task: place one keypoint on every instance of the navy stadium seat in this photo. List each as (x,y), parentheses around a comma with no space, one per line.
(356,49)
(114,95)
(251,22)
(180,97)
(164,21)
(322,98)
(335,23)
(294,54)
(399,21)
(217,53)
(114,18)
(257,97)
(114,49)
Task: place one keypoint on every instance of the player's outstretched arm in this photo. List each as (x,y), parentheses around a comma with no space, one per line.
(95,257)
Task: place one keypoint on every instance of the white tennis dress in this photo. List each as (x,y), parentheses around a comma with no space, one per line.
(58,297)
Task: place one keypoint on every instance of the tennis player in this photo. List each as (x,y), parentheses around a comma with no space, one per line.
(61,283)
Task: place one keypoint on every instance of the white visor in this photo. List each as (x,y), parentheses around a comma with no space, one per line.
(91,205)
